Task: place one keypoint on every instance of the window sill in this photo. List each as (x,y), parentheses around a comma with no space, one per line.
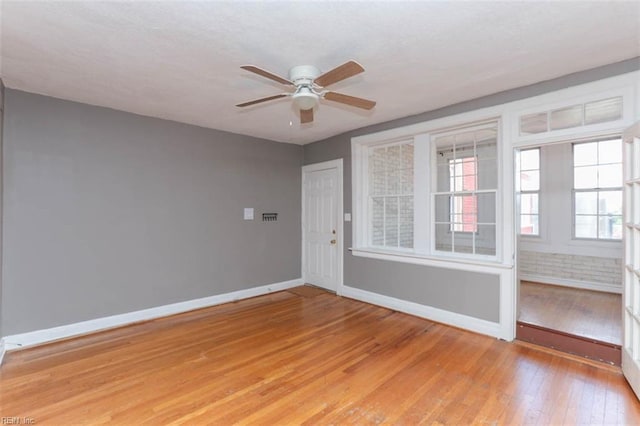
(431,260)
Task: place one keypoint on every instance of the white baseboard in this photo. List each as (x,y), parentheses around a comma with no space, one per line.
(428,312)
(18,341)
(585,285)
(2,350)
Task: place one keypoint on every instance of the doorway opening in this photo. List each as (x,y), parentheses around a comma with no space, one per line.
(569,246)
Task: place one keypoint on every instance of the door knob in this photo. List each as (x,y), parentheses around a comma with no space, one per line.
(333,241)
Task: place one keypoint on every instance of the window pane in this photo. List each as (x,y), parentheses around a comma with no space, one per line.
(586,226)
(464,212)
(566,117)
(529,224)
(443,237)
(610,202)
(610,151)
(376,160)
(377,221)
(603,111)
(487,207)
(487,167)
(529,203)
(530,180)
(378,184)
(406,222)
(406,181)
(486,240)
(407,156)
(585,177)
(586,202)
(393,182)
(391,222)
(533,123)
(610,176)
(610,227)
(530,159)
(585,154)
(442,208)
(444,178)
(406,172)
(469,174)
(463,242)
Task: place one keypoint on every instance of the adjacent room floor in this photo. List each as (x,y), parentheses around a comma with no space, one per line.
(306,356)
(592,314)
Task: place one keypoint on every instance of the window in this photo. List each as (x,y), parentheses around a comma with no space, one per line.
(464,208)
(391,195)
(465,192)
(589,113)
(428,194)
(528,187)
(597,189)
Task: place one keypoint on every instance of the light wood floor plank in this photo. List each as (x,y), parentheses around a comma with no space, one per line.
(592,314)
(305,356)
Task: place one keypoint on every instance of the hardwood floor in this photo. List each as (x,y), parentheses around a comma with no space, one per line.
(305,357)
(586,313)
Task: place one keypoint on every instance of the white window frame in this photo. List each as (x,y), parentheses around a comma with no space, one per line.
(596,190)
(434,192)
(424,228)
(369,197)
(538,192)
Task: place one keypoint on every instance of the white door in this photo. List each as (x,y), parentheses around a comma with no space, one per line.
(322,233)
(631,287)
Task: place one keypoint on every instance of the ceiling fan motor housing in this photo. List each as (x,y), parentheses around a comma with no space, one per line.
(303,74)
(302,77)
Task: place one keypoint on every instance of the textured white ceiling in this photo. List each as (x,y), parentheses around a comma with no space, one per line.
(180,60)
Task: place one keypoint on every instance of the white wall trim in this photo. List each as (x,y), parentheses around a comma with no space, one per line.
(428,312)
(459,263)
(585,285)
(23,340)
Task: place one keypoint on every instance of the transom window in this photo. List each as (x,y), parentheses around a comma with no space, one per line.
(597,189)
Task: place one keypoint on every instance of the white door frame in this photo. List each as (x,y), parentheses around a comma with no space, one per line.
(631,262)
(326,165)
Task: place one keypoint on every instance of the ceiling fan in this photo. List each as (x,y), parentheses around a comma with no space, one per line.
(309,87)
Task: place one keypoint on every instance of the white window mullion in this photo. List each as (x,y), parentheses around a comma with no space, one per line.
(422,169)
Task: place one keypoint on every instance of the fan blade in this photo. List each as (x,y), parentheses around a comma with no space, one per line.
(267,74)
(306,115)
(349,100)
(257,101)
(344,71)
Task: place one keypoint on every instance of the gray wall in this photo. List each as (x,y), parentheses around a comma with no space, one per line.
(466,293)
(108,212)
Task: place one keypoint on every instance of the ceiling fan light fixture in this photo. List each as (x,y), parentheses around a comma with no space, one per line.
(305,98)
